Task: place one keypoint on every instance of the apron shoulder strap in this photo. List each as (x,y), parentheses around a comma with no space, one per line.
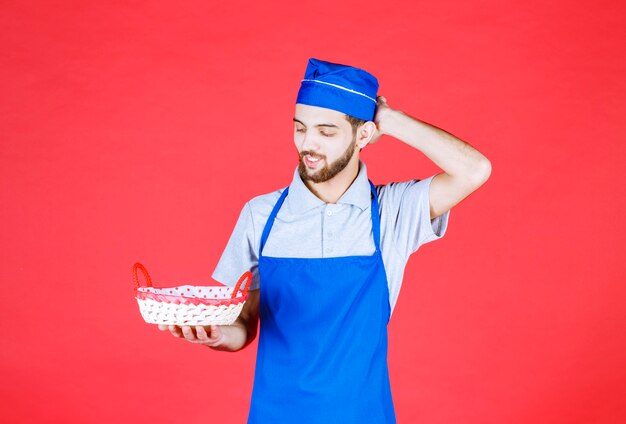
(270,220)
(375,217)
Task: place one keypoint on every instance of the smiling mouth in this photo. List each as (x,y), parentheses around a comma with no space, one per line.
(311,161)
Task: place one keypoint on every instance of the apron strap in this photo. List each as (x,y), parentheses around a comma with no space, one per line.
(375,217)
(270,220)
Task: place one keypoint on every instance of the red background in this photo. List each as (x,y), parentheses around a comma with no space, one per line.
(135,131)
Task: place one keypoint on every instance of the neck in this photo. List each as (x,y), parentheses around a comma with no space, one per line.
(330,191)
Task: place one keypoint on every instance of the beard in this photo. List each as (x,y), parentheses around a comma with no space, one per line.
(329,170)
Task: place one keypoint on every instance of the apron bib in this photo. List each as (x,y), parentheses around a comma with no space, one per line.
(322,354)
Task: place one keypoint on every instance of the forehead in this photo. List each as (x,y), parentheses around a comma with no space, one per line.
(315,115)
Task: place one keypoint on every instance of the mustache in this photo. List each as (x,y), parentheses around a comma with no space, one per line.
(313,155)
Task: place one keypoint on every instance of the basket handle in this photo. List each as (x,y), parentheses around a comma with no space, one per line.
(245,276)
(145,273)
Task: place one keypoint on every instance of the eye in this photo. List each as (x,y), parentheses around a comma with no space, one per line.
(300,130)
(325,134)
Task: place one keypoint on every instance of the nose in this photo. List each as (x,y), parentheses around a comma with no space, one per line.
(309,142)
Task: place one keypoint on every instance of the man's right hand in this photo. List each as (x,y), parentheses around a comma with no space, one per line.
(223,337)
(210,335)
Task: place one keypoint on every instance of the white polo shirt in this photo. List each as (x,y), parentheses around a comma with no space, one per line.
(307,227)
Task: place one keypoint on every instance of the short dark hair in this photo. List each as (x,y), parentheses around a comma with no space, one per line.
(355,122)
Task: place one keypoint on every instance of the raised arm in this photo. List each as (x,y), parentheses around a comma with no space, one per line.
(465,168)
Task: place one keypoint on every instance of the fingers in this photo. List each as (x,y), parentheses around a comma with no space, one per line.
(198,334)
(217,336)
(175,330)
(210,336)
(202,334)
(188,333)
(172,328)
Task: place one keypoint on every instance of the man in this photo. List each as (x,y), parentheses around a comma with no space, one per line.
(328,254)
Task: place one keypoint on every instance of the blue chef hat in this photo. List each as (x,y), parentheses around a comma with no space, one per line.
(339,87)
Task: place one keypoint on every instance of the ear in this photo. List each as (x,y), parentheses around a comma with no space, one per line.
(365,133)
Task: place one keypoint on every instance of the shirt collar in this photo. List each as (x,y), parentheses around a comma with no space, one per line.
(301,199)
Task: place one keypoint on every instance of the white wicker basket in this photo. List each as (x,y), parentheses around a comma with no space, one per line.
(190,305)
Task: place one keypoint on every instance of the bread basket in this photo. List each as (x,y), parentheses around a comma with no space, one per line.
(190,304)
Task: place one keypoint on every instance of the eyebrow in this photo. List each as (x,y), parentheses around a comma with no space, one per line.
(318,125)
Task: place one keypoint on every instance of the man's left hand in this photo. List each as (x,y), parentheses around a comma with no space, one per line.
(380,117)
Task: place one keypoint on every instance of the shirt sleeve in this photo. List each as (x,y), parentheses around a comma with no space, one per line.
(408,206)
(240,254)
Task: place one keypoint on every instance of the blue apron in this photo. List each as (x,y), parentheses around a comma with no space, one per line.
(322,354)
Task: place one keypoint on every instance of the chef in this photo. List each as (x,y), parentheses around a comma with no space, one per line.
(328,254)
